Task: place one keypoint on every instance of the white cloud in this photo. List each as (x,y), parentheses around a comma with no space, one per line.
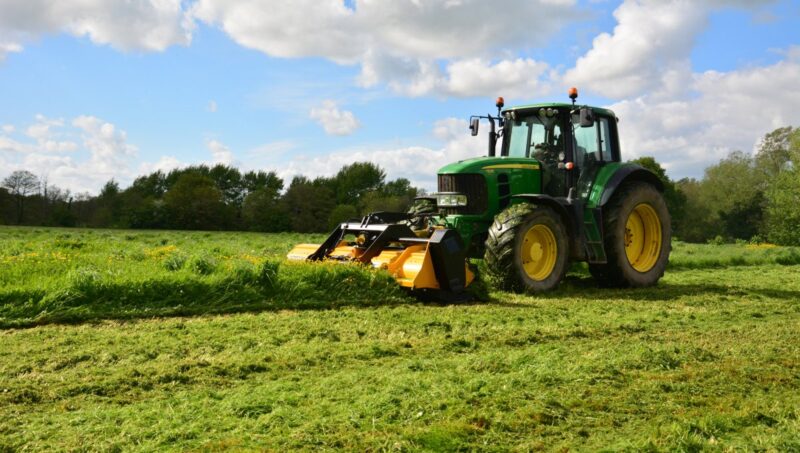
(333,120)
(7,48)
(104,141)
(46,138)
(438,29)
(220,154)
(10,145)
(8,128)
(273,148)
(295,29)
(725,112)
(651,38)
(403,42)
(98,151)
(149,25)
(431,29)
(212,106)
(164,164)
(649,49)
(521,77)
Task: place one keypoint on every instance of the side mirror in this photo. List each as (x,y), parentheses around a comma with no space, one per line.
(587,117)
(473,126)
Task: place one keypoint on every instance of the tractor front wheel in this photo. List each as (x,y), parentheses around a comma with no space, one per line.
(527,249)
(637,238)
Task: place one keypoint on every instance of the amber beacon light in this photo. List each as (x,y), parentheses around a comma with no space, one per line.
(573,93)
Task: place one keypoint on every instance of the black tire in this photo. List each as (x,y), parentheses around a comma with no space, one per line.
(506,254)
(632,200)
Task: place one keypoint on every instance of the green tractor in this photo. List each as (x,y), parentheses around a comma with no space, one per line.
(552,192)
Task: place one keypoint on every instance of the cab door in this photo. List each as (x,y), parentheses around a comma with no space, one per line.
(591,148)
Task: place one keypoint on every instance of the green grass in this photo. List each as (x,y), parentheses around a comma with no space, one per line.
(69,276)
(306,359)
(702,256)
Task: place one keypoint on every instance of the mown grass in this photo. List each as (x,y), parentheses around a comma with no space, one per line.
(703,256)
(72,276)
(707,360)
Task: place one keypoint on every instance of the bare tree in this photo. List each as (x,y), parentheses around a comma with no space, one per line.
(21,184)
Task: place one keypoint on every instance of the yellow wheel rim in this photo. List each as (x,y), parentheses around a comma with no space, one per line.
(643,237)
(539,252)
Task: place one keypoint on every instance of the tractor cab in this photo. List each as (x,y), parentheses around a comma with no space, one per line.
(571,144)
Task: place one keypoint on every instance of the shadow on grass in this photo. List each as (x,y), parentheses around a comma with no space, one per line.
(87,297)
(587,288)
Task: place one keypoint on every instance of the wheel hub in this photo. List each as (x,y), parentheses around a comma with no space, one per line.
(539,252)
(643,237)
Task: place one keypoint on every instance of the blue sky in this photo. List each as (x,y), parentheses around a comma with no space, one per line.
(102,89)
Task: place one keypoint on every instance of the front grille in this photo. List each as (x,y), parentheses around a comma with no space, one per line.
(473,186)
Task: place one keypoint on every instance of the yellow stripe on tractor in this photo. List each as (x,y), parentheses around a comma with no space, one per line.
(436,263)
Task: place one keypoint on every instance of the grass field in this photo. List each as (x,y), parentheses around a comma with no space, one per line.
(132,340)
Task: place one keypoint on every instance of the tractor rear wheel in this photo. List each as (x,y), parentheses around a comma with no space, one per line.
(637,238)
(527,249)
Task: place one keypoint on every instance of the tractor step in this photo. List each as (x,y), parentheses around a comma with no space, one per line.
(592,227)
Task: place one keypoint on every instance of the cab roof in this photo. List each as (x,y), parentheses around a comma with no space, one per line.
(559,105)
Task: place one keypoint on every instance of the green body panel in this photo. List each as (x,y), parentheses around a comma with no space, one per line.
(598,186)
(524,176)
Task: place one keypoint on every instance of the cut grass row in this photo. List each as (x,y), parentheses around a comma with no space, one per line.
(69,276)
(706,361)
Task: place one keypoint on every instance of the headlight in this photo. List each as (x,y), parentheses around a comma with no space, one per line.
(450,200)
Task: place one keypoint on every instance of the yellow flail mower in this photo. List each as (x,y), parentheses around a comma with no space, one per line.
(434,265)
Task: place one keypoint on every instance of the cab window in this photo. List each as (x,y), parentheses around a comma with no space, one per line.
(531,138)
(518,144)
(593,143)
(605,141)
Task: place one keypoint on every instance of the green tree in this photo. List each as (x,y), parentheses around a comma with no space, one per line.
(256,180)
(400,187)
(774,152)
(194,202)
(21,184)
(357,179)
(7,210)
(108,212)
(308,205)
(732,194)
(783,197)
(262,209)
(341,213)
(229,181)
(141,204)
(153,185)
(783,214)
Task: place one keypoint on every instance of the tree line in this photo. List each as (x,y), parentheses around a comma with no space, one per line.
(204,197)
(742,197)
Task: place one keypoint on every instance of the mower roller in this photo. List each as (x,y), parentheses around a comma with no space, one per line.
(557,192)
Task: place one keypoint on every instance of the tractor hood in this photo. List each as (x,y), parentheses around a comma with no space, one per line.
(490,165)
